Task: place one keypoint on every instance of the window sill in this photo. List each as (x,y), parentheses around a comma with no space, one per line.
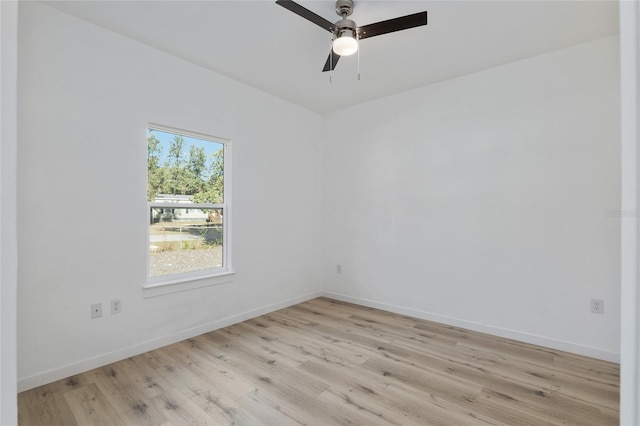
(177,283)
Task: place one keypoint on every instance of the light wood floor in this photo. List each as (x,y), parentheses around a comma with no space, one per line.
(325,362)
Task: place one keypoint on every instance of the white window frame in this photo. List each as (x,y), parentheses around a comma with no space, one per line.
(165,284)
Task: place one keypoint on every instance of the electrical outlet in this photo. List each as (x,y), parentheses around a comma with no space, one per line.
(116,306)
(96,310)
(597,306)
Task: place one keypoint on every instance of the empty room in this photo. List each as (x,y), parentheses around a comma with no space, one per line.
(319,212)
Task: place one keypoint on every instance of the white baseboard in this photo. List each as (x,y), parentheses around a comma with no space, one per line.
(49,376)
(482,328)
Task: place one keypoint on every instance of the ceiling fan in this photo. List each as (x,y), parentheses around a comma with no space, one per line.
(345,32)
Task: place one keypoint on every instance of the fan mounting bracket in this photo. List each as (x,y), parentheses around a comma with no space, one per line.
(344,8)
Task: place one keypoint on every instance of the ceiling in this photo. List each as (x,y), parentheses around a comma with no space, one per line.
(272,49)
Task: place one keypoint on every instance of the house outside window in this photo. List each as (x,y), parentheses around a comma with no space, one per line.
(188,183)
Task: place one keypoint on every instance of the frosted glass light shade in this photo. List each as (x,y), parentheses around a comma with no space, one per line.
(345,45)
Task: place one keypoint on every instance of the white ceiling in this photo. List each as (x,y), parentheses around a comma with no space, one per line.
(272,49)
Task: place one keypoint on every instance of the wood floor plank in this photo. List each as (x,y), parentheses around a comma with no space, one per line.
(281,383)
(299,346)
(212,369)
(155,358)
(145,378)
(325,362)
(128,400)
(270,411)
(90,407)
(179,410)
(357,415)
(267,377)
(554,410)
(380,399)
(45,406)
(214,400)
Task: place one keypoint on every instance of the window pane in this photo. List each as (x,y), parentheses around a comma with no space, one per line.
(184,165)
(184,240)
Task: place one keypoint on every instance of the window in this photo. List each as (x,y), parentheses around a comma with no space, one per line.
(188,205)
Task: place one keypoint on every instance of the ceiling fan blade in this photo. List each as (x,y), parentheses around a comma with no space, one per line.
(392,25)
(307,14)
(332,60)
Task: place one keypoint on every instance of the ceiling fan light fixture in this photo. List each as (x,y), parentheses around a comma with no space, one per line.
(346,34)
(345,44)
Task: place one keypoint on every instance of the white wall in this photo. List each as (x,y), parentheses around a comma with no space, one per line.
(8,237)
(85,98)
(481,201)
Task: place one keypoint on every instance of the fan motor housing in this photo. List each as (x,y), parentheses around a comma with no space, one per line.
(345,24)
